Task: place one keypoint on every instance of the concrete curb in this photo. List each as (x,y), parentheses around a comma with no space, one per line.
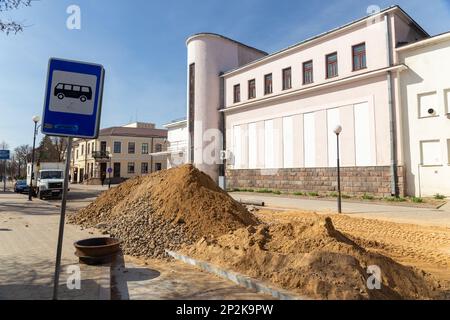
(237,278)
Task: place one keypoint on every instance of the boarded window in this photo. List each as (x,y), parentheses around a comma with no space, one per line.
(333,120)
(269,156)
(363,144)
(309,136)
(252,146)
(288,142)
(237,150)
(427,105)
(430,153)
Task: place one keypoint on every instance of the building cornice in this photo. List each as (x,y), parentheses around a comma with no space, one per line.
(327,85)
(426,42)
(321,37)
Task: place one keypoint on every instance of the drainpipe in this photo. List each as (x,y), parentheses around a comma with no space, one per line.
(222,165)
(392,118)
(151,157)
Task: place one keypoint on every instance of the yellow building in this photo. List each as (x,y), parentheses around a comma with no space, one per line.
(130,150)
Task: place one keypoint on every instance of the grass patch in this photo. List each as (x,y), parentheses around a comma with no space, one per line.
(345,196)
(416,200)
(333,194)
(276,192)
(367,196)
(298,194)
(438,196)
(264,191)
(395,199)
(313,194)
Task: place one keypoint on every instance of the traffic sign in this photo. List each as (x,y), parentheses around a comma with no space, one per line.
(110,170)
(4,154)
(73,99)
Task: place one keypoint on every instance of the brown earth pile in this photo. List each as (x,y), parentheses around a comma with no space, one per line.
(313,259)
(164,210)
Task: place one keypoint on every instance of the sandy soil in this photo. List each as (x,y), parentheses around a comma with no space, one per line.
(423,247)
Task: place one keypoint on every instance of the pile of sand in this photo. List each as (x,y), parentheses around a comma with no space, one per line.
(164,210)
(311,258)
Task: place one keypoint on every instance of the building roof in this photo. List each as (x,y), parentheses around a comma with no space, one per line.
(226,38)
(327,33)
(175,123)
(134,132)
(424,42)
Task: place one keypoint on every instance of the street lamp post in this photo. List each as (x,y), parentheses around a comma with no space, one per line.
(337,131)
(35,119)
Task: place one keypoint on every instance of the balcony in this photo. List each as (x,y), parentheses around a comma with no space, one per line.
(101,155)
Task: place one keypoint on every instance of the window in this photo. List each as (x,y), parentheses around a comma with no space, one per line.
(144,167)
(88,149)
(60,86)
(67,87)
(430,152)
(117,147)
(76,154)
(131,147)
(85,89)
(103,146)
(237,93)
(332,65)
(251,89)
(268,84)
(427,105)
(130,167)
(158,147)
(359,56)
(145,148)
(308,72)
(76,88)
(82,149)
(116,170)
(158,166)
(287,81)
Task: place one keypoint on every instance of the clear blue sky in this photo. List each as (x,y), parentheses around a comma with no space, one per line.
(141,43)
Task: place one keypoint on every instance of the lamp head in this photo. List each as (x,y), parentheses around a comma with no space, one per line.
(36,119)
(338,129)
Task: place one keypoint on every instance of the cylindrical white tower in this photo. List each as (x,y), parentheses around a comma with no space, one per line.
(208,56)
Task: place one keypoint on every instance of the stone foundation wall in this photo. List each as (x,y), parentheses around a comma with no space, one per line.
(354,180)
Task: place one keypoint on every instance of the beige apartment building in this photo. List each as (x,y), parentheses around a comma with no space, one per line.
(130,150)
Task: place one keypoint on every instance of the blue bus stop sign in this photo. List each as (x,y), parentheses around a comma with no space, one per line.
(4,154)
(110,170)
(73,99)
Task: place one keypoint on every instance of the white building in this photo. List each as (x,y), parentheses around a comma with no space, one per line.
(177,137)
(425,89)
(277,111)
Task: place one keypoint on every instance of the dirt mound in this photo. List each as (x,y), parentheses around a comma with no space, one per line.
(313,259)
(163,210)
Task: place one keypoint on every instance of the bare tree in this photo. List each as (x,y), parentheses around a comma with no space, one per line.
(60,146)
(23,156)
(12,26)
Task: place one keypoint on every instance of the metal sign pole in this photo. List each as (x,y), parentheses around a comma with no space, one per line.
(62,220)
(4,178)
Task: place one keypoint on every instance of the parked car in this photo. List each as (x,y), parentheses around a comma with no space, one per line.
(21,186)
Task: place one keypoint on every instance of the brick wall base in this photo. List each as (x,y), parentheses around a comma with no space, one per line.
(354,180)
